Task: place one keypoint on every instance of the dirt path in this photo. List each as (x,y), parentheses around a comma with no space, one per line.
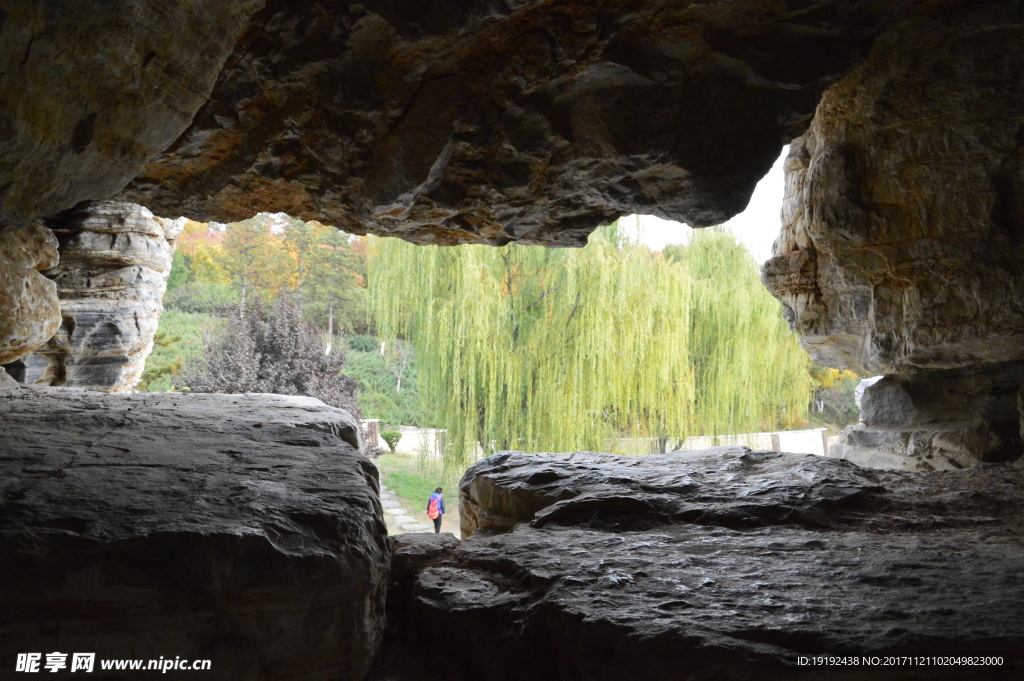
(401,515)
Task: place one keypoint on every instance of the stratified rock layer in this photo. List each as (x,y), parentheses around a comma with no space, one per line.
(484,121)
(115,259)
(725,564)
(90,90)
(243,529)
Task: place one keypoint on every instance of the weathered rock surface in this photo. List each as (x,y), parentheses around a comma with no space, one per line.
(90,90)
(492,121)
(938,420)
(403,657)
(411,553)
(725,564)
(243,529)
(115,259)
(29,310)
(903,238)
(903,232)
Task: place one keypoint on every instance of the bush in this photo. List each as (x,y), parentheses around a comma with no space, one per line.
(275,351)
(378,397)
(391,437)
(179,340)
(363,343)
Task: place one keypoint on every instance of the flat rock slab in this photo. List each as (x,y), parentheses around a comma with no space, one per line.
(242,529)
(726,564)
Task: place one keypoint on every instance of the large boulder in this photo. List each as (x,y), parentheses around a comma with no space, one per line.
(725,564)
(241,529)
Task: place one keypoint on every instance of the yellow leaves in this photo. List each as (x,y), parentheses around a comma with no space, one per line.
(825,377)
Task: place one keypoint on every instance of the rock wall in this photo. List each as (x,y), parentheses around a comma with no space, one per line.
(903,226)
(241,529)
(939,420)
(903,235)
(481,121)
(721,564)
(115,259)
(29,309)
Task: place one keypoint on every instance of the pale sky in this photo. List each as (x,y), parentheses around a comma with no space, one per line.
(756,227)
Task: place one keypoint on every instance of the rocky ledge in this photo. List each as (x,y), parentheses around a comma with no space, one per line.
(242,529)
(722,564)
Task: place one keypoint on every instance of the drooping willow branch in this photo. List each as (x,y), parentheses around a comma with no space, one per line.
(523,347)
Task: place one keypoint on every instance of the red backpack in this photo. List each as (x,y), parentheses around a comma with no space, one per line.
(432,508)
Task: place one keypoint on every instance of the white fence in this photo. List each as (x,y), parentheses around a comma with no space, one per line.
(430,441)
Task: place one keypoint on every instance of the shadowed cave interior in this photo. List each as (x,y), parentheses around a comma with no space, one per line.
(248,530)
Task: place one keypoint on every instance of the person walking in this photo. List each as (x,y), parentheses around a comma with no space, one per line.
(435,509)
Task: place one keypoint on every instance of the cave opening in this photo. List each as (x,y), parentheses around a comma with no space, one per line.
(246,532)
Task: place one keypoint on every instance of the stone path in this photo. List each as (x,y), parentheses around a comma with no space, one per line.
(397,516)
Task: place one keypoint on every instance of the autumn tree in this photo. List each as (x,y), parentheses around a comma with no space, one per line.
(252,257)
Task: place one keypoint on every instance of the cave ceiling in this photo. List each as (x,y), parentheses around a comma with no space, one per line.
(451,121)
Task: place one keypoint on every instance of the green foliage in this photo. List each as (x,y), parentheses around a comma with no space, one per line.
(391,437)
(201,296)
(363,343)
(377,395)
(179,271)
(327,275)
(178,340)
(749,370)
(555,349)
(268,256)
(252,258)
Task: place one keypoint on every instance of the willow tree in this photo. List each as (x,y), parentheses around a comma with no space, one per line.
(524,347)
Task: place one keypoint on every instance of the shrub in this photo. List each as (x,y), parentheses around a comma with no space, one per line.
(363,343)
(275,351)
(391,437)
(178,341)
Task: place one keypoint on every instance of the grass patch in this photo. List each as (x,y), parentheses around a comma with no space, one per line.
(179,339)
(415,479)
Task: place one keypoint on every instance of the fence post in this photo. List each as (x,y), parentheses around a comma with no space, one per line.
(775,443)
(824,441)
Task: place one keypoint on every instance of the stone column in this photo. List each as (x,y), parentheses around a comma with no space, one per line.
(115,259)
